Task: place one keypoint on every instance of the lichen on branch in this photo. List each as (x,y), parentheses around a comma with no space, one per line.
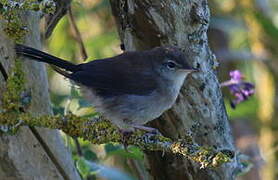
(14,88)
(99,131)
(10,13)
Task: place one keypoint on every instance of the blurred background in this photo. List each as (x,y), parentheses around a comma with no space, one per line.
(243,35)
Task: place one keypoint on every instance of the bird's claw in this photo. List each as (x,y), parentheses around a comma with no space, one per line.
(147,129)
(125,135)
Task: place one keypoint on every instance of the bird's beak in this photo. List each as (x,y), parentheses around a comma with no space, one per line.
(191,70)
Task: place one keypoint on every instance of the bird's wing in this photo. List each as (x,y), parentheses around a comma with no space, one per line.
(109,78)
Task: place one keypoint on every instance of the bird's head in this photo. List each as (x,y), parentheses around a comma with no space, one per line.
(171,63)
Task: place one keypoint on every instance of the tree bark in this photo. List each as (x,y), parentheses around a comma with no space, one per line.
(32,153)
(199,110)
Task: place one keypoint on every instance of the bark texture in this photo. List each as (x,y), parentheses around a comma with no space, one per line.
(199,109)
(33,153)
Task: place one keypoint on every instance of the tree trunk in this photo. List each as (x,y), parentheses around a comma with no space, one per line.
(32,153)
(199,109)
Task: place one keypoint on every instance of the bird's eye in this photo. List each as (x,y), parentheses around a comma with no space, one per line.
(171,65)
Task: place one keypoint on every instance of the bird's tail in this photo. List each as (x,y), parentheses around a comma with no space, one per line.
(44,57)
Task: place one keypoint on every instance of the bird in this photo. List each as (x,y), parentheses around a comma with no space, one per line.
(129,89)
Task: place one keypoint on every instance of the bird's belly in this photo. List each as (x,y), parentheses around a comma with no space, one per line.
(138,110)
(131,109)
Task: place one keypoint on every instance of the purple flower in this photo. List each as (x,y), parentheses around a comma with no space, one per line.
(242,90)
(236,75)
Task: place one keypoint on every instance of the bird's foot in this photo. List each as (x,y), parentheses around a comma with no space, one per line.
(126,133)
(147,129)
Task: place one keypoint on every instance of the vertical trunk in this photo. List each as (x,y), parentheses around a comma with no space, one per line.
(32,153)
(199,110)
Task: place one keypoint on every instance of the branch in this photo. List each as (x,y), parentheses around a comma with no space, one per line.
(100,131)
(77,35)
(52,20)
(227,55)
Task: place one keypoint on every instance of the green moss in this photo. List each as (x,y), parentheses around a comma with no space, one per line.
(220,158)
(13,26)
(11,11)
(208,157)
(47,6)
(14,89)
(12,105)
(164,139)
(204,156)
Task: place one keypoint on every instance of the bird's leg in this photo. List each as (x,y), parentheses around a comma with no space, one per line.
(147,129)
(125,135)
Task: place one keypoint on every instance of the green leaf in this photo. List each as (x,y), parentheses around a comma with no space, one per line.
(87,168)
(111,147)
(131,152)
(83,168)
(245,109)
(90,155)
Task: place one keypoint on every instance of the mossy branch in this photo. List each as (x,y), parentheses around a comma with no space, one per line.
(101,131)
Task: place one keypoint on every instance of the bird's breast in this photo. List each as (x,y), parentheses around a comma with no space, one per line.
(133,109)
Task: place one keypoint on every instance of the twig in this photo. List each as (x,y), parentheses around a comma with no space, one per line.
(3,72)
(78,147)
(78,36)
(53,19)
(227,56)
